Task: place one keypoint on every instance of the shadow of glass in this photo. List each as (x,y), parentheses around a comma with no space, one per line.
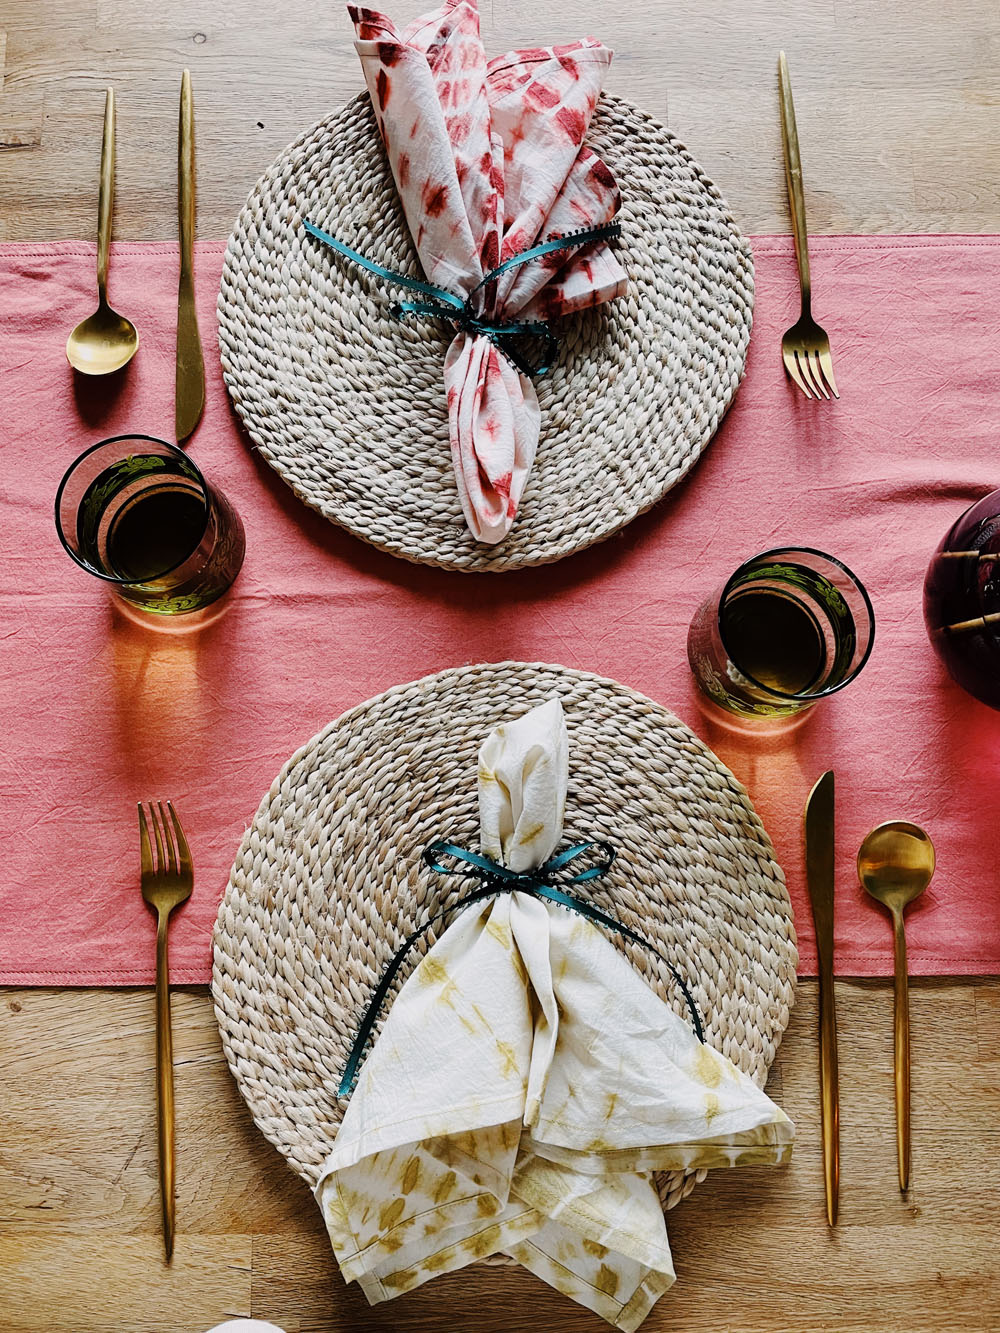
(164,696)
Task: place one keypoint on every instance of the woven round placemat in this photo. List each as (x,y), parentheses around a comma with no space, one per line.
(329,880)
(348,405)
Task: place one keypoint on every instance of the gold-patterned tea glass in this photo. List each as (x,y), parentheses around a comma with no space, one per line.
(788,628)
(137,512)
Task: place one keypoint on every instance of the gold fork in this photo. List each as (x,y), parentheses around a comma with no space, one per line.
(805,348)
(167,880)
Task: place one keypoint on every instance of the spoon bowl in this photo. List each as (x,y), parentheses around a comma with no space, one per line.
(895,863)
(102,343)
(105,341)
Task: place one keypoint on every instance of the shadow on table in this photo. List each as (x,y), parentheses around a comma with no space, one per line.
(100,397)
(162,693)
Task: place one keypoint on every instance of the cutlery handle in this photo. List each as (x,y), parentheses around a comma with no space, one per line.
(793,177)
(165,1084)
(106,195)
(829,1089)
(185,176)
(901,1050)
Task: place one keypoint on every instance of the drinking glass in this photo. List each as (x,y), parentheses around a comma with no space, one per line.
(789,627)
(136,512)
(962,600)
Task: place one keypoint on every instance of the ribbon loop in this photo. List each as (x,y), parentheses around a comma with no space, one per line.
(495,878)
(520,881)
(459,311)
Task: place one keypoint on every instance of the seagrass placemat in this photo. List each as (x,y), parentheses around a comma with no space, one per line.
(329,880)
(348,405)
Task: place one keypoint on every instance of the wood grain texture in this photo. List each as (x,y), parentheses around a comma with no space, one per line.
(899,117)
(898,103)
(80,1247)
(21,114)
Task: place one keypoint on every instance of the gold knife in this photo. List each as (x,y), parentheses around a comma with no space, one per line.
(819,831)
(190,383)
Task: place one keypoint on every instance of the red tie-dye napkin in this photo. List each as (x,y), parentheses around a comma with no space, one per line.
(489,160)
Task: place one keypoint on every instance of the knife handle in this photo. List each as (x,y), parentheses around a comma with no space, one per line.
(185,175)
(829,1089)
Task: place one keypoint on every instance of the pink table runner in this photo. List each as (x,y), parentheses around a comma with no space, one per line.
(101,713)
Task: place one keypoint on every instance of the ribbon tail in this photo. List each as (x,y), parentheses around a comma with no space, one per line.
(593,913)
(369,1018)
(495,879)
(390,275)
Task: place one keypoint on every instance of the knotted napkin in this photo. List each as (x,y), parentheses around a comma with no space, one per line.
(489,160)
(526,1085)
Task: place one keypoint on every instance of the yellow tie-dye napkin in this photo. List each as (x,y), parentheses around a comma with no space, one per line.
(526,1085)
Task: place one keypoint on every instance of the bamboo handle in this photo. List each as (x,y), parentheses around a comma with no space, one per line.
(829,1090)
(165,1084)
(901,1050)
(106,196)
(793,178)
(979,623)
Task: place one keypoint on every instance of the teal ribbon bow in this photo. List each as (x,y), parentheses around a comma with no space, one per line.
(458,310)
(496,879)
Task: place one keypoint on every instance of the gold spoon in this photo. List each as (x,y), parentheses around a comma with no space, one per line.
(106,341)
(895,865)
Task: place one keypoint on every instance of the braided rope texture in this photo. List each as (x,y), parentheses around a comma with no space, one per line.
(348,405)
(330,880)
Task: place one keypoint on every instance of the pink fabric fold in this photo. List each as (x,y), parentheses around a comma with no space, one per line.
(489,159)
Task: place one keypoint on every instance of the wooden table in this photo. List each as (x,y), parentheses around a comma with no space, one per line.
(899,114)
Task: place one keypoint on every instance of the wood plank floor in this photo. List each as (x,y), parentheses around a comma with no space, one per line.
(899,116)
(80,1246)
(898,101)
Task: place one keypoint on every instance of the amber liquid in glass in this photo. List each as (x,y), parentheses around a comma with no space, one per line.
(155,533)
(774,639)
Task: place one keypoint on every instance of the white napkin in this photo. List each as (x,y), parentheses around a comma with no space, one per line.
(245,1326)
(526,1084)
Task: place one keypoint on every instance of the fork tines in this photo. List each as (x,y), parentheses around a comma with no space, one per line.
(812,370)
(172,852)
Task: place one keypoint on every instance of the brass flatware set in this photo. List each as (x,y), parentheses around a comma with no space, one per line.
(106,341)
(895,865)
(896,860)
(100,345)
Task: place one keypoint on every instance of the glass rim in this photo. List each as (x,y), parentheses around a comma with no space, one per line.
(808,696)
(115,439)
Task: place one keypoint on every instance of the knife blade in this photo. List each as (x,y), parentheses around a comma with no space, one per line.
(819,836)
(189,397)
